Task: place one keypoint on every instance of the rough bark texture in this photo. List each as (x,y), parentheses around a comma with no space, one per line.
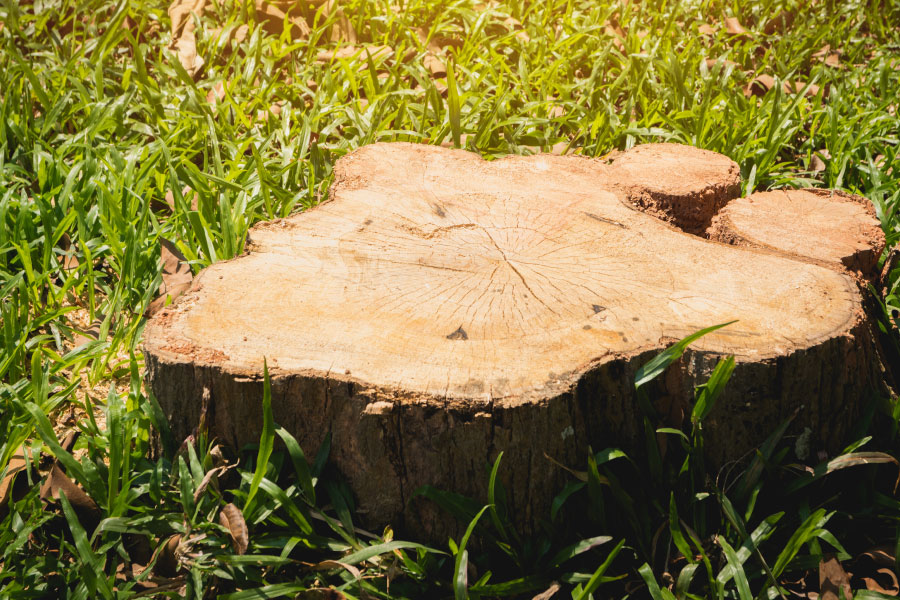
(440,309)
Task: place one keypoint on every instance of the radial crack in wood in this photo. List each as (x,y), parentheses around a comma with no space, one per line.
(441,308)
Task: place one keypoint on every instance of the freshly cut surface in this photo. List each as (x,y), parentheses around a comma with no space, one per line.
(439,309)
(435,272)
(830,227)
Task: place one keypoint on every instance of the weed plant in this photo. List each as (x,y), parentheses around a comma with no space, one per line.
(108,147)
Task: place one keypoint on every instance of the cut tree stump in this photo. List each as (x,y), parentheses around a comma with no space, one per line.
(439,309)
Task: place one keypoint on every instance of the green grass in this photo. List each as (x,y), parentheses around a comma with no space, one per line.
(98,121)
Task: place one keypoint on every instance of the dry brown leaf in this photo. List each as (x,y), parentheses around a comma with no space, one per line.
(706,29)
(273,111)
(763,83)
(833,579)
(734,27)
(70,261)
(342,30)
(779,23)
(328,565)
(167,562)
(240,34)
(183,40)
(833,60)
(556,112)
(885,582)
(321,594)
(816,164)
(797,87)
(274,20)
(513,24)
(617,35)
(8,486)
(559,148)
(176,275)
(187,193)
(759,85)
(233,520)
(712,62)
(90,334)
(85,508)
(549,592)
(435,66)
(376,53)
(216,93)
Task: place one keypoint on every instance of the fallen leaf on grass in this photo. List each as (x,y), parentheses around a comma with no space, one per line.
(734,27)
(513,24)
(549,592)
(176,275)
(816,164)
(833,580)
(274,20)
(706,29)
(183,39)
(92,333)
(435,65)
(884,582)
(216,93)
(86,509)
(233,520)
(779,23)
(8,487)
(330,565)
(556,112)
(321,594)
(342,30)
(712,62)
(761,84)
(376,53)
(617,35)
(186,193)
(167,560)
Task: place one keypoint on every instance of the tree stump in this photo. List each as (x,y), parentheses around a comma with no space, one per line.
(440,308)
